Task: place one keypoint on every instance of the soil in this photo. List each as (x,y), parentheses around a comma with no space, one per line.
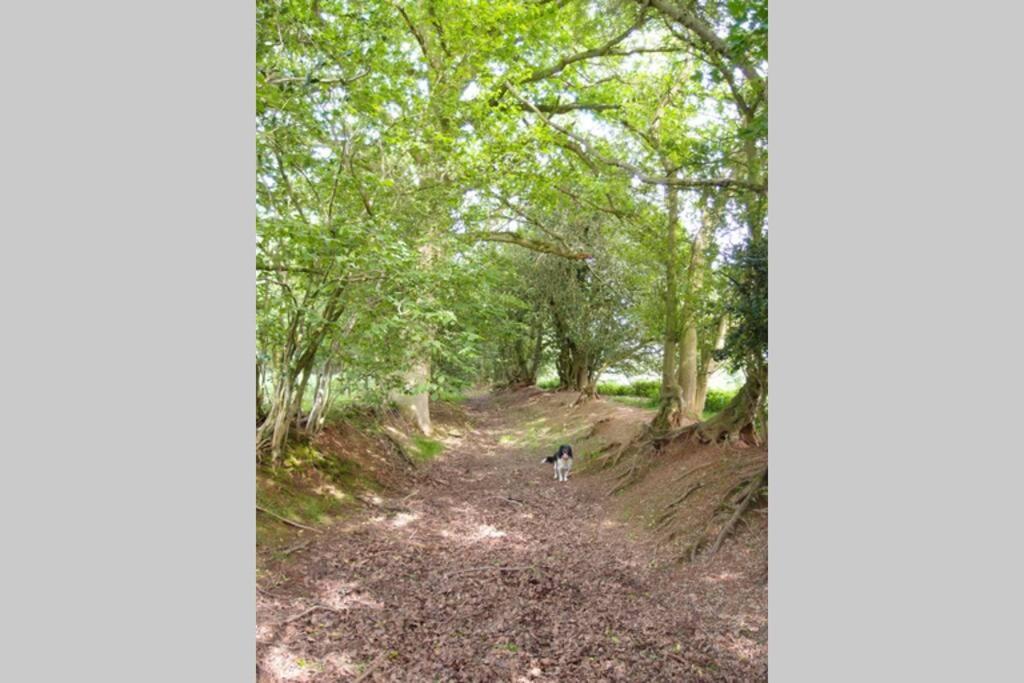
(487,569)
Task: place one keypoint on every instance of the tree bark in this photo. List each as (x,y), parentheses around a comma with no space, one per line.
(261,410)
(709,366)
(538,350)
(413,404)
(737,420)
(315,420)
(671,399)
(689,344)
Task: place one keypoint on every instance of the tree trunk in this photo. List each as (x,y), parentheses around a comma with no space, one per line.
(299,393)
(580,372)
(320,401)
(414,404)
(261,410)
(564,366)
(538,350)
(671,399)
(689,347)
(687,374)
(709,365)
(272,433)
(589,389)
(738,419)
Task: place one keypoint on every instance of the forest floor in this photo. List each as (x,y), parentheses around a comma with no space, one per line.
(487,569)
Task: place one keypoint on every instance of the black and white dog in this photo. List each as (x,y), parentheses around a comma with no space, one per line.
(562,460)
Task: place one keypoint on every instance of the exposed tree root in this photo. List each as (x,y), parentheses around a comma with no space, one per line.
(751,494)
(737,501)
(399,448)
(593,428)
(641,463)
(611,459)
(734,423)
(584,397)
(690,471)
(670,509)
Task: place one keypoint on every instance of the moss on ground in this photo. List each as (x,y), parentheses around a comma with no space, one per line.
(424,449)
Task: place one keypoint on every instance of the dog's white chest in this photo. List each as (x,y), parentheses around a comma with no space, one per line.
(562,467)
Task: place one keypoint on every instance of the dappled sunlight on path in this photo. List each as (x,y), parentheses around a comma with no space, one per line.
(492,571)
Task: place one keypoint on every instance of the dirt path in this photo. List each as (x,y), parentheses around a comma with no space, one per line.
(492,571)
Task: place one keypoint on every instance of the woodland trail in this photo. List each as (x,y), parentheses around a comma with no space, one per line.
(489,570)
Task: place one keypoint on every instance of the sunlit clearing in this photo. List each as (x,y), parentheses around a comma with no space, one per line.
(723,576)
(403,518)
(487,531)
(285,666)
(329,490)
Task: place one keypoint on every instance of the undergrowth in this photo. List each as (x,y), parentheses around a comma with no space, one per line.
(645,393)
(309,487)
(424,449)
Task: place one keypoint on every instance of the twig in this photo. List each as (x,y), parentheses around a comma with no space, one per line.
(512,500)
(297,546)
(310,611)
(373,665)
(485,569)
(286,520)
(272,595)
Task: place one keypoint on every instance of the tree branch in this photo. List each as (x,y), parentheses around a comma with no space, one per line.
(314,80)
(578,145)
(531,244)
(556,68)
(416,33)
(702,30)
(555,108)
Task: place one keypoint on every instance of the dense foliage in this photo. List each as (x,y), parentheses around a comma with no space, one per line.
(465,191)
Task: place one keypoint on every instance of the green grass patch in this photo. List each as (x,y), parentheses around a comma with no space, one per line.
(275,492)
(636,401)
(646,393)
(646,388)
(424,449)
(310,488)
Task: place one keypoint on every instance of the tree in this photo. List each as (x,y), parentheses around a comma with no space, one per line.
(455,191)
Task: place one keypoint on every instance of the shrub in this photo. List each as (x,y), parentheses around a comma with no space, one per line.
(651,388)
(717,399)
(644,388)
(614,389)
